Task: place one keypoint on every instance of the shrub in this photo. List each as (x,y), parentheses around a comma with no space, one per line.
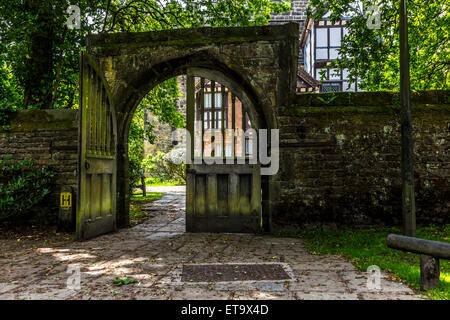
(22,187)
(175,164)
(167,167)
(5,113)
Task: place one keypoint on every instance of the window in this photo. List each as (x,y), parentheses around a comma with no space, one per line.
(331,87)
(322,37)
(217,100)
(328,42)
(335,74)
(217,110)
(327,39)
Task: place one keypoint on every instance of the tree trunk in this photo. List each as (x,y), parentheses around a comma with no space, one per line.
(39,79)
(407,165)
(143,187)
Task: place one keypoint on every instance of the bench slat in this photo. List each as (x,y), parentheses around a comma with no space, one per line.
(435,249)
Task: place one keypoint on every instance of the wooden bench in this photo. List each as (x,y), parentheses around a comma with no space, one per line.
(430,253)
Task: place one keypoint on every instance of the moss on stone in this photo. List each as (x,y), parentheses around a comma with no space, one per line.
(379,98)
(37,120)
(205,35)
(299,110)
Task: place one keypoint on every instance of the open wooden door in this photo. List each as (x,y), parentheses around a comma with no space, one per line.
(220,197)
(97,154)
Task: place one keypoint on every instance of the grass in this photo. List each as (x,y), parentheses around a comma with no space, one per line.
(165,184)
(151,196)
(152,182)
(137,204)
(365,247)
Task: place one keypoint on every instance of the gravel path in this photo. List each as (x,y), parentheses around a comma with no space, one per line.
(167,189)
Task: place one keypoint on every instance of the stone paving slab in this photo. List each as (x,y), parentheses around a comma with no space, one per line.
(154,252)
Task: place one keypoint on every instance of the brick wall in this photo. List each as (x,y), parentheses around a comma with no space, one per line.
(297,14)
(50,138)
(340,159)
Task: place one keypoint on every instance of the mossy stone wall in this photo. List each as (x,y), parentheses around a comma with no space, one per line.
(50,138)
(340,159)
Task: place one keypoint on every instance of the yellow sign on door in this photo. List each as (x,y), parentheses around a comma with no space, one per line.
(66,200)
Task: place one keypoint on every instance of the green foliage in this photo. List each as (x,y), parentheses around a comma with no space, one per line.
(10,95)
(135,172)
(332,98)
(150,196)
(42,54)
(123,281)
(372,55)
(5,112)
(162,167)
(139,130)
(158,182)
(146,15)
(161,102)
(366,247)
(9,88)
(39,54)
(22,187)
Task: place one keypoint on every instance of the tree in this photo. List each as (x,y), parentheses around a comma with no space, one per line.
(39,54)
(39,67)
(42,54)
(372,55)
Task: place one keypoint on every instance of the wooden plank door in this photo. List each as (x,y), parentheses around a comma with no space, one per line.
(219,197)
(97,154)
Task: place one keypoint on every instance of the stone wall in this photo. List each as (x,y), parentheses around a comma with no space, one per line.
(163,133)
(50,138)
(340,159)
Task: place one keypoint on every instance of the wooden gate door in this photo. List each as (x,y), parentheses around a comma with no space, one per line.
(220,197)
(97,154)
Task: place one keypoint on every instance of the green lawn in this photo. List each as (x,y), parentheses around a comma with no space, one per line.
(151,182)
(151,196)
(365,247)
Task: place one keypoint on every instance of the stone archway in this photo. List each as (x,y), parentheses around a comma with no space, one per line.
(258,62)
